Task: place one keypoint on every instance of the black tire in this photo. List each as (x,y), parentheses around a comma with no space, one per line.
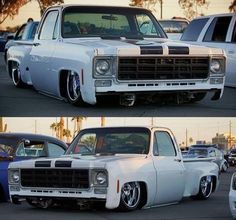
(73,93)
(2,195)
(16,76)
(205,188)
(198,96)
(40,203)
(130,197)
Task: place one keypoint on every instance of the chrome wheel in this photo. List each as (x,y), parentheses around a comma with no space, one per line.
(16,75)
(206,186)
(73,86)
(130,195)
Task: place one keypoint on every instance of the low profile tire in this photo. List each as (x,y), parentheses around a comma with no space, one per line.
(224,168)
(73,88)
(198,96)
(40,203)
(205,188)
(16,76)
(130,196)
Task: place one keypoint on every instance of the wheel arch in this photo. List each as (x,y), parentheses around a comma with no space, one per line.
(2,193)
(62,82)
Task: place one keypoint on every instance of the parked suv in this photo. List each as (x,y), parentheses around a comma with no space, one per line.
(216,31)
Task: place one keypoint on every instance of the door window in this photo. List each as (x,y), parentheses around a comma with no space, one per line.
(212,153)
(218,29)
(31,149)
(234,34)
(163,144)
(55,150)
(194,29)
(20,33)
(48,27)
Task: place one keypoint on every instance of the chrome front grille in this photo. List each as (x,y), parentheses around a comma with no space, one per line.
(55,178)
(162,68)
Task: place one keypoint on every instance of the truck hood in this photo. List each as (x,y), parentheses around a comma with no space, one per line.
(135,47)
(75,161)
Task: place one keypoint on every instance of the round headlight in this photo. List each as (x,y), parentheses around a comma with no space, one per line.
(215,66)
(16,177)
(101,178)
(102,67)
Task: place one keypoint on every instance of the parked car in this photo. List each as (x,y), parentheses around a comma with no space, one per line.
(105,51)
(22,146)
(174,28)
(216,31)
(24,34)
(208,151)
(127,167)
(232,157)
(3,39)
(232,195)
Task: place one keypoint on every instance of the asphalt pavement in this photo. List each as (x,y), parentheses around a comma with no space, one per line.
(216,207)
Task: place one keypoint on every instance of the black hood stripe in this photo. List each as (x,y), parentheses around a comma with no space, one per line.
(61,163)
(43,164)
(151,50)
(178,50)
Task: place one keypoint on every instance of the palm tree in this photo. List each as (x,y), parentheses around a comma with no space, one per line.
(232,7)
(67,134)
(77,124)
(54,126)
(103,121)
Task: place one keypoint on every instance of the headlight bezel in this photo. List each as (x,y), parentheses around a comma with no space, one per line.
(13,176)
(98,173)
(221,61)
(112,63)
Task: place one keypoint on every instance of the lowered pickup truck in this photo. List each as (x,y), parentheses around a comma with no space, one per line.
(125,167)
(82,52)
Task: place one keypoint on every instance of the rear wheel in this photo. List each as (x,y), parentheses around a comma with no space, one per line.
(130,196)
(16,76)
(73,88)
(205,188)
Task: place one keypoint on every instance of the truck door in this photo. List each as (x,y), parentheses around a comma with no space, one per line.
(169,167)
(42,75)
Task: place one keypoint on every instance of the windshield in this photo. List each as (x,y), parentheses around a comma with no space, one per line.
(174,26)
(198,152)
(109,21)
(131,140)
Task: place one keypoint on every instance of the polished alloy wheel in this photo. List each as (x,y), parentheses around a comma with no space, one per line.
(16,75)
(73,86)
(130,194)
(206,186)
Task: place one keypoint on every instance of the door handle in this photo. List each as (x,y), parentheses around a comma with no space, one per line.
(36,44)
(178,160)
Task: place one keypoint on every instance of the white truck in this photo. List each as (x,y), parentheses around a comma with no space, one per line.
(123,167)
(82,52)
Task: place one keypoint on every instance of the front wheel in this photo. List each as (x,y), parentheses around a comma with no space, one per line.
(16,76)
(205,188)
(73,88)
(130,196)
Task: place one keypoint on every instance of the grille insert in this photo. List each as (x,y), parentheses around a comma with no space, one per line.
(163,68)
(55,178)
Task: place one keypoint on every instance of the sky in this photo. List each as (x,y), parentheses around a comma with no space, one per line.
(198,128)
(170,9)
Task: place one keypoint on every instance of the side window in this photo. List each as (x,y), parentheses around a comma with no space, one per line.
(212,153)
(234,34)
(55,150)
(20,33)
(163,144)
(218,29)
(31,149)
(48,27)
(194,29)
